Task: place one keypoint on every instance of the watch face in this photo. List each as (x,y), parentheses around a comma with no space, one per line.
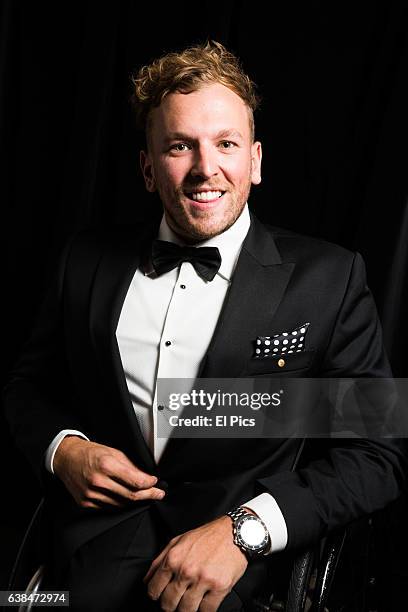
(252,533)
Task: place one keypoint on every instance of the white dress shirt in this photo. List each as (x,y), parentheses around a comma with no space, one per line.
(164,330)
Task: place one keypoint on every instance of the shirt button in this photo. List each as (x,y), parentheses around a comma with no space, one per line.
(167,343)
(182,286)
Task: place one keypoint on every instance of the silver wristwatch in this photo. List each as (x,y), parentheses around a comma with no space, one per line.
(249,532)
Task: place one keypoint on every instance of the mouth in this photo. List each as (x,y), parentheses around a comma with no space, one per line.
(204,199)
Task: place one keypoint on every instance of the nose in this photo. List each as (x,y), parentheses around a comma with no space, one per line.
(204,163)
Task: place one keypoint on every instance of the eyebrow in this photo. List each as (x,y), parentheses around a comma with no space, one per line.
(222,134)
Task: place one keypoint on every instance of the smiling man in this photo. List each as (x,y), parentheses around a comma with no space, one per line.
(138,521)
(202,159)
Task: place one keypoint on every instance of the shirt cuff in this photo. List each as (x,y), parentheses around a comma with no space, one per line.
(266,507)
(52,449)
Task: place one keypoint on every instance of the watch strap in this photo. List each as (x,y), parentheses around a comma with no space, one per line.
(237,513)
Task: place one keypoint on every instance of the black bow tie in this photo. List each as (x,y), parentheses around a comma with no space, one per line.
(167,255)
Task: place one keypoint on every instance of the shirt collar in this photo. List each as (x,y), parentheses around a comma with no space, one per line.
(229,243)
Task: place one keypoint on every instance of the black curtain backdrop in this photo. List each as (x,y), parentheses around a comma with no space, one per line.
(333,124)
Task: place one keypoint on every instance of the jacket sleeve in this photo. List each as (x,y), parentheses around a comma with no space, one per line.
(39,397)
(343,479)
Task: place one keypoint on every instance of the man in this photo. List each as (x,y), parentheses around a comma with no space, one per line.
(135,519)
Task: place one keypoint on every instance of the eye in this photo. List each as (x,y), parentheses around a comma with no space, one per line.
(227,142)
(177,147)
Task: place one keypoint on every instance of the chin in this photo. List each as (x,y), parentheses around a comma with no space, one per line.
(201,227)
(208,231)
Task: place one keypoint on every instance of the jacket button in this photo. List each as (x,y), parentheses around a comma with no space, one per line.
(162,484)
(281,363)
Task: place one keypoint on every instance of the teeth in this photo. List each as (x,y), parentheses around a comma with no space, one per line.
(205,196)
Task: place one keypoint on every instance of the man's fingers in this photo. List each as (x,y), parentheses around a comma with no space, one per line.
(174,591)
(99,500)
(151,493)
(135,477)
(97,475)
(192,598)
(100,497)
(159,582)
(108,485)
(142,494)
(123,471)
(155,563)
(211,601)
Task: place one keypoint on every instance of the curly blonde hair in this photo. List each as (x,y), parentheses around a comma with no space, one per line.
(187,71)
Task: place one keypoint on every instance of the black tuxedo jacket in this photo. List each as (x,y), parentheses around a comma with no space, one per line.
(70,376)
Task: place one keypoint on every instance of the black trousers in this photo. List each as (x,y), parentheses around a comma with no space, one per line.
(106,573)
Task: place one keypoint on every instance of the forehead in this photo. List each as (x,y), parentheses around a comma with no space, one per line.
(210,110)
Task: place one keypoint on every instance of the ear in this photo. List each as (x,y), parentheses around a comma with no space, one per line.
(147,169)
(256,160)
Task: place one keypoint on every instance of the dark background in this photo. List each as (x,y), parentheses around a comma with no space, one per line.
(333,123)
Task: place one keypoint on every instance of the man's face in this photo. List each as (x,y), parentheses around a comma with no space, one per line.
(201,160)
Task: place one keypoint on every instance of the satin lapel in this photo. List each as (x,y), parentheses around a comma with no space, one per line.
(114,275)
(259,283)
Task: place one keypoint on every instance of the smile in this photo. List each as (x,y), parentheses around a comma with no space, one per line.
(205,196)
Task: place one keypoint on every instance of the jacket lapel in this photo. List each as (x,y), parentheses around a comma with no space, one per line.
(113,277)
(258,285)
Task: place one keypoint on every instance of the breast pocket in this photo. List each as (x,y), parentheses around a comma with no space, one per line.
(284,365)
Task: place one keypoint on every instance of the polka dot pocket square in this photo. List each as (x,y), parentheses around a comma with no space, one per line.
(282,344)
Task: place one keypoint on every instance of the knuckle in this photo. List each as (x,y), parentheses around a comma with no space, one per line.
(188,573)
(96,480)
(134,482)
(172,560)
(212,581)
(152,594)
(205,577)
(137,495)
(138,482)
(104,463)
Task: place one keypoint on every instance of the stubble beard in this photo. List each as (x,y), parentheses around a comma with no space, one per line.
(200,228)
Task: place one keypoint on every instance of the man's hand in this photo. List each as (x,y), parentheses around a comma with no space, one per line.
(198,569)
(98,475)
